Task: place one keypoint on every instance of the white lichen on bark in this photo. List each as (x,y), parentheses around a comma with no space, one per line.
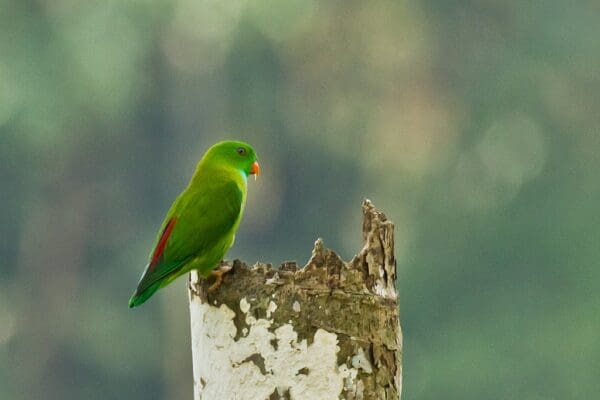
(251,367)
(329,330)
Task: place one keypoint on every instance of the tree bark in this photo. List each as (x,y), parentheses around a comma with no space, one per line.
(329,330)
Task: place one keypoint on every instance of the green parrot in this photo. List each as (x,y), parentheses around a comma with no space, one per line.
(201,223)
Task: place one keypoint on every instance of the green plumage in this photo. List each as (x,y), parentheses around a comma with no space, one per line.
(200,226)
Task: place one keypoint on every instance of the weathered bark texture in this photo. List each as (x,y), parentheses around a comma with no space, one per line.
(329,330)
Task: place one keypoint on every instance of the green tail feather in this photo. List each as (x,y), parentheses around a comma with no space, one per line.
(152,280)
(139,298)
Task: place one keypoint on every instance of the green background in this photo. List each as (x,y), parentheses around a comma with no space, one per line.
(474,125)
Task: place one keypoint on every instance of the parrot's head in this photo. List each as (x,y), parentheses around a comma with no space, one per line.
(239,155)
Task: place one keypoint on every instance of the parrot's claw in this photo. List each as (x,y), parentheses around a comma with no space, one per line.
(218,275)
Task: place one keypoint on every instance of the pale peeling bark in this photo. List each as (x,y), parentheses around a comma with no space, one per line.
(329,330)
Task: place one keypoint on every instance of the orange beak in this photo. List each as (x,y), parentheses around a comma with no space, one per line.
(255,169)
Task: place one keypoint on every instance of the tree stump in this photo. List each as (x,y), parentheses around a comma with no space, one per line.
(329,330)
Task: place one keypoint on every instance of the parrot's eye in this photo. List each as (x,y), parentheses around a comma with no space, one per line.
(241,151)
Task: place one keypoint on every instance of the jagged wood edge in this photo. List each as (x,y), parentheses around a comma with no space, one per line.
(375,260)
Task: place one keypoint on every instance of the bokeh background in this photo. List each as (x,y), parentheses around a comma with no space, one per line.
(475,125)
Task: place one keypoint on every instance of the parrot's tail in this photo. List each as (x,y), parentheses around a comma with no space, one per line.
(140,297)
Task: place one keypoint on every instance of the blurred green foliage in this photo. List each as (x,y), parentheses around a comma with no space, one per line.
(474,125)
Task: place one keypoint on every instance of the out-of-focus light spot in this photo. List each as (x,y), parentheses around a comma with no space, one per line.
(279,20)
(560,93)
(414,135)
(510,153)
(513,150)
(474,189)
(108,52)
(200,34)
(393,40)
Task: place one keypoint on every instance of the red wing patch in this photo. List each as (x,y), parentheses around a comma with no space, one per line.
(162,243)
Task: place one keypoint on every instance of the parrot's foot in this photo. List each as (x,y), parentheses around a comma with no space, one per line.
(218,275)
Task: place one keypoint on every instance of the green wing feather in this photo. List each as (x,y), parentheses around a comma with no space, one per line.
(206,216)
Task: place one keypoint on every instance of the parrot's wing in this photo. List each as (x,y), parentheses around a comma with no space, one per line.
(157,269)
(202,219)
